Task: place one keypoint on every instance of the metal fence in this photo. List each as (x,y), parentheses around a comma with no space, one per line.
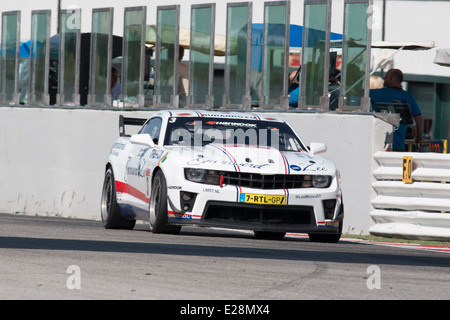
(75,69)
(412,195)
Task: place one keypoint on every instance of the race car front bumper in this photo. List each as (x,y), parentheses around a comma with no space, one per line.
(297,211)
(292,218)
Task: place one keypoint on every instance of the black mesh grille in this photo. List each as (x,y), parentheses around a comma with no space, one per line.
(273,181)
(259,214)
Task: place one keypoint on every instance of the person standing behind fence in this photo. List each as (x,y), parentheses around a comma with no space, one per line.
(116,87)
(183,78)
(294,88)
(393,92)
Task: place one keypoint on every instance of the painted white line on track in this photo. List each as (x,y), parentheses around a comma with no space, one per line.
(378,243)
(384,243)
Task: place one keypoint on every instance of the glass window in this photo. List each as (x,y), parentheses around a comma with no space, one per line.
(354,53)
(69,57)
(153,128)
(133,56)
(314,53)
(276,53)
(167,56)
(190,131)
(100,81)
(237,65)
(9,57)
(39,58)
(201,66)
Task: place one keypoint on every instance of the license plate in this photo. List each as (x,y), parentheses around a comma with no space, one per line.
(262,198)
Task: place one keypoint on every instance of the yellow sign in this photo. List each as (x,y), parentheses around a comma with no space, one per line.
(407,169)
(262,198)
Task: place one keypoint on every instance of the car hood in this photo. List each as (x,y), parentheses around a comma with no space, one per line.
(262,160)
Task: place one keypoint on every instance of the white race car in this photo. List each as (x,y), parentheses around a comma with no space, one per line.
(221,169)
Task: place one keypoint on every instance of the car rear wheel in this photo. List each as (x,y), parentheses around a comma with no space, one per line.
(158,206)
(111,217)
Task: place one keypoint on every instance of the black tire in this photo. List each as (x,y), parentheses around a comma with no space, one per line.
(111,217)
(323,237)
(158,207)
(270,235)
(329,237)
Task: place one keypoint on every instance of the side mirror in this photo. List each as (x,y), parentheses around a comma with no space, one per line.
(143,139)
(317,147)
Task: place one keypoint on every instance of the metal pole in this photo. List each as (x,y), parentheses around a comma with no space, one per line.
(383,30)
(58,16)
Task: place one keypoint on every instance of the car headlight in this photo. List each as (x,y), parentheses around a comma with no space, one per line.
(204,176)
(321,181)
(195,175)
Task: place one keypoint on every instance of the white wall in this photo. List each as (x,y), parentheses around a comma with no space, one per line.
(52,160)
(419,21)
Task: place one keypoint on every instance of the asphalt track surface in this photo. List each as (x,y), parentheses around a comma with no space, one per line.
(60,258)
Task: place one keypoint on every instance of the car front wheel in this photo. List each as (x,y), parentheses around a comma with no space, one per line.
(158,206)
(330,238)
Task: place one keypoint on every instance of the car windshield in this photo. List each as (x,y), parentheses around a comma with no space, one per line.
(194,131)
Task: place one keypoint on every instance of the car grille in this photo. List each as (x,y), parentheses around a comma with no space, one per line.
(270,181)
(259,214)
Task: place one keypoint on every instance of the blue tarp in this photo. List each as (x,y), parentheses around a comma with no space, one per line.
(296,34)
(25,50)
(296,39)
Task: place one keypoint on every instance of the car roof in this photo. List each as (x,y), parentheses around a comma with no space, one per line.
(218,114)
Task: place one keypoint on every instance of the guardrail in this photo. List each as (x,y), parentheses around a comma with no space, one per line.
(412,195)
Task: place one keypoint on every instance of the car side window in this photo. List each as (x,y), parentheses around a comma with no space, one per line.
(153,128)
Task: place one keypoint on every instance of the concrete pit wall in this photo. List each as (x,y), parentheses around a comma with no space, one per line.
(52,160)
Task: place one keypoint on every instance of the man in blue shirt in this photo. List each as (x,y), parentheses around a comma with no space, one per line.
(293,98)
(393,92)
(294,88)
